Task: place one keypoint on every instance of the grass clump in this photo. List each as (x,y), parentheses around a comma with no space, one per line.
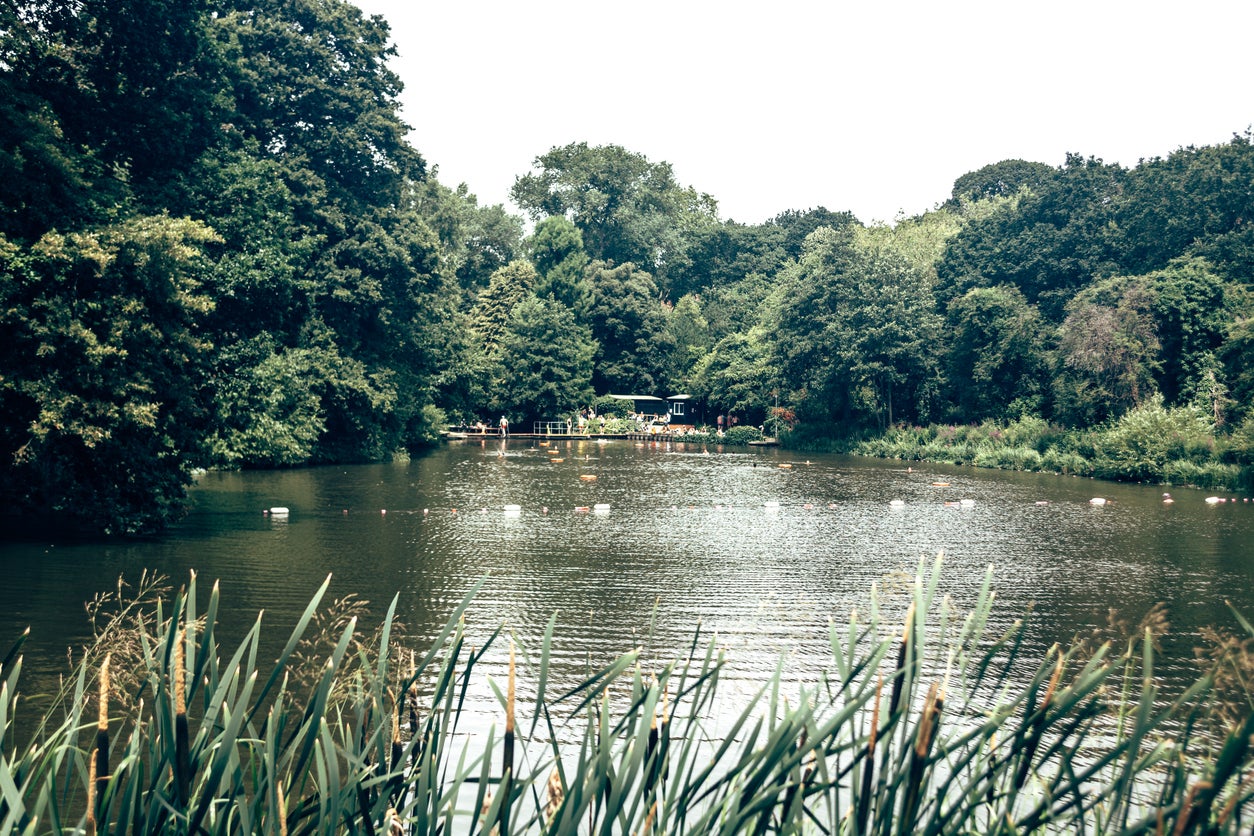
(931,723)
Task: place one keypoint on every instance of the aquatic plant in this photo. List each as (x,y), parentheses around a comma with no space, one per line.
(929,724)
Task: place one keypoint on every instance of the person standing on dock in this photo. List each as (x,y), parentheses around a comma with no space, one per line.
(504,427)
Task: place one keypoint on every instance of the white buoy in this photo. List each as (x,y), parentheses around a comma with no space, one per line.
(1213,500)
(1097,500)
(896,503)
(601,506)
(279,511)
(770,504)
(513,509)
(967,503)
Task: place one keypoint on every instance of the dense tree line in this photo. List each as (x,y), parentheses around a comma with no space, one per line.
(219,249)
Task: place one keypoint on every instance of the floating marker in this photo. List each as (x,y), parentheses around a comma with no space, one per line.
(1213,500)
(512,509)
(587,477)
(772,505)
(601,506)
(278,511)
(1098,500)
(896,503)
(967,503)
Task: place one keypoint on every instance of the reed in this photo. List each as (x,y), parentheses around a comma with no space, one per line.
(960,741)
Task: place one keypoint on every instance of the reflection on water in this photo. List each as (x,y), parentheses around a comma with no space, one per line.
(724,541)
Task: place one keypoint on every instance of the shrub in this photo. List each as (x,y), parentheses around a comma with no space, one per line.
(742,434)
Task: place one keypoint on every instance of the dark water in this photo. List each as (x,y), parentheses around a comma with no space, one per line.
(687,540)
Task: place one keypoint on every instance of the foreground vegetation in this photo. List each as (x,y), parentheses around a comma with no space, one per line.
(932,725)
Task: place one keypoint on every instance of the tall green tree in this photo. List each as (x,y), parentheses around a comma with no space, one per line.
(102,410)
(629,326)
(1056,239)
(996,360)
(557,252)
(627,208)
(476,240)
(857,334)
(508,286)
(544,370)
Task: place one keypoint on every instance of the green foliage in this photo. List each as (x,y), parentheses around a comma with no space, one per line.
(99,391)
(612,407)
(1107,352)
(509,286)
(1143,441)
(741,434)
(996,361)
(945,726)
(856,334)
(629,326)
(627,208)
(1051,242)
(735,376)
(1002,179)
(476,241)
(545,363)
(559,258)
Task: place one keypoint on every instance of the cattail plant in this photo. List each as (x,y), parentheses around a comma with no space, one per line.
(995,743)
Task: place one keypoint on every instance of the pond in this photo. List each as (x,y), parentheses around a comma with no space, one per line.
(762,546)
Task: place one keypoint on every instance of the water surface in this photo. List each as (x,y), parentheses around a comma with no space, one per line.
(687,541)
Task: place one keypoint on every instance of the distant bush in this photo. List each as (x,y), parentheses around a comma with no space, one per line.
(1151,443)
(742,435)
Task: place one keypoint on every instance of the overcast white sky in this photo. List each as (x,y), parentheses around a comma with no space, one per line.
(874,107)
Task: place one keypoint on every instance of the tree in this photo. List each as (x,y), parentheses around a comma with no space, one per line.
(736,376)
(1001,179)
(100,392)
(1192,307)
(689,333)
(557,252)
(545,365)
(1050,243)
(996,362)
(476,240)
(310,82)
(1107,353)
(629,326)
(627,208)
(509,286)
(857,333)
(1196,202)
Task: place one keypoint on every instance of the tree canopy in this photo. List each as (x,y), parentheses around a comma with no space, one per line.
(219,248)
